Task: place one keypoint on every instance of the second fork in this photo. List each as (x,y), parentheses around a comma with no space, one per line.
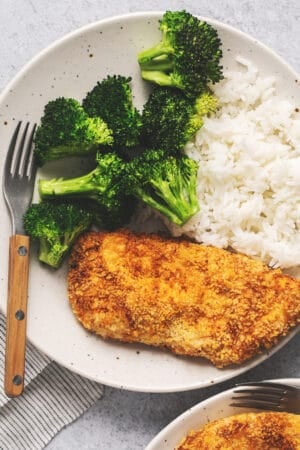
(267,396)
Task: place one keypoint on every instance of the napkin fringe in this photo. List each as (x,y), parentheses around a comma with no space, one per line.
(53,398)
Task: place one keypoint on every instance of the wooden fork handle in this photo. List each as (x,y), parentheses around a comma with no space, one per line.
(16,315)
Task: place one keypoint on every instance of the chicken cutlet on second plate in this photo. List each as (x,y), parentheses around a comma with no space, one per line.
(193,299)
(248,431)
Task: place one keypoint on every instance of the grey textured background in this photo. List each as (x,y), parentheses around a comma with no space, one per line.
(126,420)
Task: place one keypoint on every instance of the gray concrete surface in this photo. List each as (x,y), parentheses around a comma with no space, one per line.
(127,420)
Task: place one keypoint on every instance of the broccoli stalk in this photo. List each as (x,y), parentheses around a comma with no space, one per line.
(100,184)
(188,56)
(66,130)
(55,227)
(174,117)
(165,183)
(111,100)
(102,188)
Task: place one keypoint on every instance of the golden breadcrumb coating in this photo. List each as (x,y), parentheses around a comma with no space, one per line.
(193,299)
(249,431)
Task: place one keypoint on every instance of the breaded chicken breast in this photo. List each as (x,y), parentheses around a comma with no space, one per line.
(249,431)
(194,300)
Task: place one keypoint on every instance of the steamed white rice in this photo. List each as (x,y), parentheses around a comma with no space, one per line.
(249,177)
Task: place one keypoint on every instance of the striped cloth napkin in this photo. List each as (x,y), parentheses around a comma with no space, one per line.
(53,398)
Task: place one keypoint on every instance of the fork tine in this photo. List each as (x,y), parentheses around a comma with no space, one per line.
(268,385)
(29,165)
(11,149)
(260,392)
(19,154)
(259,397)
(258,405)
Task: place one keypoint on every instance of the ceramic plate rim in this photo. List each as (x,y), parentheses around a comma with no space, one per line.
(116,18)
(190,412)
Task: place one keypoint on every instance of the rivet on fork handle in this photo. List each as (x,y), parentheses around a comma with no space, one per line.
(16,317)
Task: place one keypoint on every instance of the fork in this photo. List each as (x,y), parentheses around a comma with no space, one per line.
(18,183)
(268,396)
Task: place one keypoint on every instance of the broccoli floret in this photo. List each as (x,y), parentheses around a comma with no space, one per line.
(102,188)
(171,119)
(188,56)
(111,100)
(166,183)
(55,227)
(67,130)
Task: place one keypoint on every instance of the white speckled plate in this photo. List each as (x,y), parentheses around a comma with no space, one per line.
(213,408)
(71,67)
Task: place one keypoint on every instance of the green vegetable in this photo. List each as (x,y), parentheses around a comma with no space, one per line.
(66,130)
(55,227)
(170,118)
(111,100)
(188,56)
(166,183)
(101,190)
